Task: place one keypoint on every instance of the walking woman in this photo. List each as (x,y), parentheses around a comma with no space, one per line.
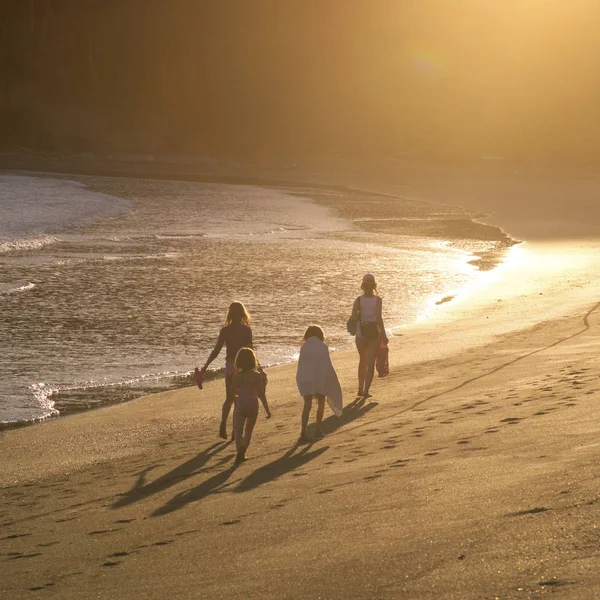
(370,332)
(236,334)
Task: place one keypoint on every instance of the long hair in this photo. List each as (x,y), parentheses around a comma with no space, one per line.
(237,314)
(245,360)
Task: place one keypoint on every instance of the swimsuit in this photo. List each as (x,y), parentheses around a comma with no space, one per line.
(247,390)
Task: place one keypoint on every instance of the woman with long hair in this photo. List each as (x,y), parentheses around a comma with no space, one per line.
(236,334)
(370,332)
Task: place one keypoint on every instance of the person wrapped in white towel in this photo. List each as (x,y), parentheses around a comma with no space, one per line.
(316,378)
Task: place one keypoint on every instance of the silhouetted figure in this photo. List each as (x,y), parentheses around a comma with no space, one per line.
(316,378)
(235,335)
(248,385)
(370,332)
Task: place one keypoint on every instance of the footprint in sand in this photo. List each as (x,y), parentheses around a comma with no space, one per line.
(14,536)
(556,583)
(103,531)
(530,511)
(41,587)
(325,491)
(18,556)
(510,420)
(65,519)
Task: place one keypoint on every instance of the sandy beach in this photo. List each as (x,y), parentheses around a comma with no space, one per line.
(470,473)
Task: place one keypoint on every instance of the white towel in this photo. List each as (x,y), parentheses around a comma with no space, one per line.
(316,375)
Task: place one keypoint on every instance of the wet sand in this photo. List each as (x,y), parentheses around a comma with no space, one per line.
(470,473)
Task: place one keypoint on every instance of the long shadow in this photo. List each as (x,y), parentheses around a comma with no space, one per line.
(287,463)
(352,411)
(141,490)
(210,486)
(218,483)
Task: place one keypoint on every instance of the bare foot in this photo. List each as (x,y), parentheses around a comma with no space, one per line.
(223,431)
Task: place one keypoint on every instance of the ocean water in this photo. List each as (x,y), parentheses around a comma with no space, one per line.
(111,288)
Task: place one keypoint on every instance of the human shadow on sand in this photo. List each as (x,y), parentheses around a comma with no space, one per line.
(356,409)
(142,490)
(211,486)
(290,461)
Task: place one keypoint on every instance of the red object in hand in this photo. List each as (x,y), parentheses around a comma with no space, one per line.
(199,375)
(382,361)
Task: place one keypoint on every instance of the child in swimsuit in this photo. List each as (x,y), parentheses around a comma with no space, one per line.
(248,386)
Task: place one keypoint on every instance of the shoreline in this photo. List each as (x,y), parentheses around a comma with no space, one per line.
(465,315)
(477,261)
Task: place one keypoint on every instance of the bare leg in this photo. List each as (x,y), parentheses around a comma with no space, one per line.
(371,356)
(361,346)
(305,415)
(229,397)
(250,422)
(320,411)
(238,427)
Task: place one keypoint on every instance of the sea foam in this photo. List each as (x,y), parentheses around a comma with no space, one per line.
(31,208)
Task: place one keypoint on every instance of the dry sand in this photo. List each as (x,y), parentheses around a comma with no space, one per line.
(471,473)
